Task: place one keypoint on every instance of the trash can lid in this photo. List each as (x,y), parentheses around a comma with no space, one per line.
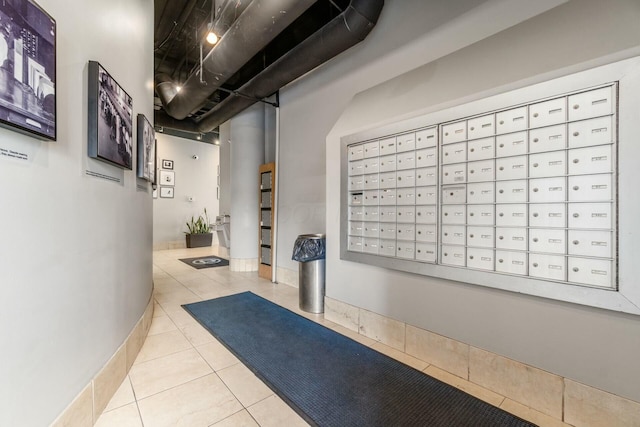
(311,236)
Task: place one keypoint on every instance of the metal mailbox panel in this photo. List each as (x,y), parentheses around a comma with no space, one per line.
(483,170)
(511,120)
(388,197)
(426,176)
(356,183)
(512,144)
(454,153)
(371,229)
(591,132)
(388,230)
(406,142)
(387,213)
(355,199)
(481,149)
(406,232)
(454,214)
(427,138)
(454,234)
(548,240)
(356,213)
(388,146)
(388,163)
(370,246)
(426,233)
(371,182)
(481,214)
(387,248)
(454,132)
(453,174)
(483,237)
(426,214)
(511,168)
(548,113)
(356,167)
(595,272)
(511,191)
(511,238)
(481,127)
(454,255)
(590,215)
(406,214)
(548,215)
(406,196)
(454,194)
(591,243)
(388,180)
(511,262)
(370,197)
(598,102)
(426,195)
(511,215)
(406,250)
(355,228)
(480,192)
(372,149)
(426,252)
(354,243)
(427,157)
(371,213)
(482,259)
(406,178)
(548,164)
(590,188)
(406,160)
(591,160)
(371,165)
(552,267)
(356,152)
(550,138)
(548,190)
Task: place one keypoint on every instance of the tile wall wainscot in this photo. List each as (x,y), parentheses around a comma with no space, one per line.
(288,277)
(525,388)
(243,264)
(93,399)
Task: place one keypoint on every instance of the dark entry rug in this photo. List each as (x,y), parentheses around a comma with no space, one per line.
(205,262)
(331,380)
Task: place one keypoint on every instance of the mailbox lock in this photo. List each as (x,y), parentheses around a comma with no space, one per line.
(501,145)
(500,191)
(501,122)
(501,168)
(576,161)
(535,139)
(576,106)
(576,133)
(576,269)
(535,239)
(535,165)
(535,215)
(575,187)
(535,190)
(446,214)
(472,193)
(501,214)
(471,214)
(471,171)
(471,235)
(501,237)
(576,215)
(575,242)
(472,150)
(470,256)
(500,260)
(535,264)
(535,114)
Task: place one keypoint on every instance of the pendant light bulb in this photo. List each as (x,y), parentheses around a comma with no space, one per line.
(212,38)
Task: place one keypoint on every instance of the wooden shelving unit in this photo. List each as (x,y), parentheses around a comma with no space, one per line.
(266,212)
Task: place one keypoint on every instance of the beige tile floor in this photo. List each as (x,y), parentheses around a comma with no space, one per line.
(185,377)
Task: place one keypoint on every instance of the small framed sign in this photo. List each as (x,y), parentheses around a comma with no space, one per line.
(166,192)
(167,178)
(167,164)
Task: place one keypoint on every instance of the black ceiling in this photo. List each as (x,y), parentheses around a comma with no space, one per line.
(180,26)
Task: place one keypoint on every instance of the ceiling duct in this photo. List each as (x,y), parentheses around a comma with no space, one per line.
(346,30)
(259,23)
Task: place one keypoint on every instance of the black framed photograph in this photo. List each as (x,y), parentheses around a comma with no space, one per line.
(110,119)
(146,149)
(166,192)
(167,164)
(27,69)
(167,178)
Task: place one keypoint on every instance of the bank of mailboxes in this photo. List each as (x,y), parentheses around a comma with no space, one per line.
(527,191)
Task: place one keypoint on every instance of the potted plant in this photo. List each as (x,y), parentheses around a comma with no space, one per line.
(199,233)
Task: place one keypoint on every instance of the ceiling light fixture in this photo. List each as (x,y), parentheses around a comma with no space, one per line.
(212,38)
(178,88)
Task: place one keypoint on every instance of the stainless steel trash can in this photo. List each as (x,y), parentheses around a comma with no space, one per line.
(309,250)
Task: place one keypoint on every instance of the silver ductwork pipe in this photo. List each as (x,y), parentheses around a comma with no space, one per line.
(260,22)
(344,31)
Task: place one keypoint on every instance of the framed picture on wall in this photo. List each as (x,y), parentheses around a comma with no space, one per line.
(167,178)
(167,164)
(28,69)
(166,192)
(146,149)
(110,119)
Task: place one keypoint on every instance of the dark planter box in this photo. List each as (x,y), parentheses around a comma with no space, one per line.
(199,240)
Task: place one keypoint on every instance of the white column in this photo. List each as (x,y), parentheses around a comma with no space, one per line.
(247,154)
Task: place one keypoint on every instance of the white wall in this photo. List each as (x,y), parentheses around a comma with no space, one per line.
(589,345)
(75,251)
(193,178)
